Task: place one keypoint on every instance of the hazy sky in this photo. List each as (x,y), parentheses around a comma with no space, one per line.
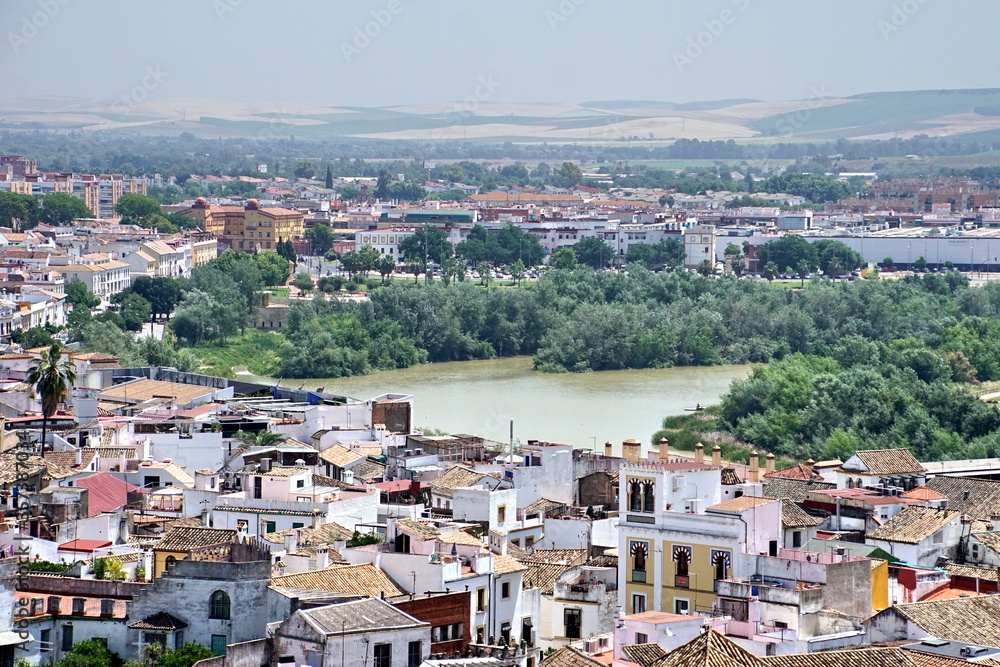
(511,50)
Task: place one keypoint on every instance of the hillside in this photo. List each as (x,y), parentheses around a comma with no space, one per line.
(869,116)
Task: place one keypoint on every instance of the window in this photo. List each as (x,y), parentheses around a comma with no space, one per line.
(218,605)
(154,638)
(151,481)
(178,640)
(258,487)
(573,622)
(505,590)
(501,513)
(67,637)
(639,551)
(638,603)
(296,524)
(505,632)
(218,645)
(480,599)
(300,483)
(529,541)
(797,539)
(681,606)
(516,542)
(480,634)
(641,638)
(45,640)
(269,527)
(457,631)
(414,654)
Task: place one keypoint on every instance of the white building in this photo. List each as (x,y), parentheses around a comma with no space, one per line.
(699,246)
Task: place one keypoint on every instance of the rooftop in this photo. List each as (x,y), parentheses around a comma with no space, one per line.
(358,579)
(358,616)
(913,525)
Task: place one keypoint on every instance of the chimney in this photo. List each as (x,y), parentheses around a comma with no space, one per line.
(607,448)
(699,453)
(769,464)
(630,450)
(664,449)
(204,518)
(316,515)
(754,466)
(79,456)
(292,541)
(716,455)
(54,605)
(810,463)
(265,464)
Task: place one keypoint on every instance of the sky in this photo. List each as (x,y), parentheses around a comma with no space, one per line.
(373,53)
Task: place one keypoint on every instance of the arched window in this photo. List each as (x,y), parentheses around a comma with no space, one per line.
(850,483)
(635,496)
(218,605)
(170,560)
(647,497)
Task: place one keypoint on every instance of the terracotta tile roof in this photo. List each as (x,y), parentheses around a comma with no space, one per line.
(281,471)
(978,498)
(913,525)
(990,539)
(865,657)
(453,478)
(105,492)
(794,489)
(359,579)
(603,561)
(889,461)
(741,504)
(159,621)
(798,471)
(368,471)
(643,654)
(921,659)
(544,507)
(710,649)
(568,656)
(923,493)
(422,530)
(461,537)
(186,539)
(325,534)
(543,576)
(975,620)
(560,556)
(506,565)
(970,571)
(340,456)
(793,516)
(144,390)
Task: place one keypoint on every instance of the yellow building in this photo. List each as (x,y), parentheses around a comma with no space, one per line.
(181,543)
(251,227)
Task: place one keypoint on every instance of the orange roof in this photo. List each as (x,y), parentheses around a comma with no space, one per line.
(923,493)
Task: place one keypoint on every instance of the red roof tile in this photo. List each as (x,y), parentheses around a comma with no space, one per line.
(106,493)
(88,546)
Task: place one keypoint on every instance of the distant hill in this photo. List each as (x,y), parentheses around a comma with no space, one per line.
(945,113)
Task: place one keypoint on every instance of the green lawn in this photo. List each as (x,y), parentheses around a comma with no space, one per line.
(280,292)
(257,351)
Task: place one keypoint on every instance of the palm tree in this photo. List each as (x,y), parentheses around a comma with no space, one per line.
(262,438)
(52,377)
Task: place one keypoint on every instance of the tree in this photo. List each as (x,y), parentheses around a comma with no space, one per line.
(706,268)
(887,262)
(330,284)
(134,309)
(62,208)
(163,294)
(34,337)
(17,211)
(738,264)
(77,295)
(789,251)
(593,252)
(920,263)
(329,178)
(305,169)
(517,271)
(386,266)
(348,192)
(382,185)
(272,267)
(304,282)
(564,258)
(89,653)
(835,252)
(51,377)
(370,258)
(428,243)
(156,655)
(569,175)
(320,237)
(407,192)
(353,262)
(484,273)
(133,207)
(770,270)
(261,438)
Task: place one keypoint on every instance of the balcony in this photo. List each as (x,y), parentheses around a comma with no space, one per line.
(808,597)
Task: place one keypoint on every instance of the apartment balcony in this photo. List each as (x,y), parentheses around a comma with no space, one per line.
(583,592)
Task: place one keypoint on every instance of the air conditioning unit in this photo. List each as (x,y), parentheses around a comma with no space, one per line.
(679,482)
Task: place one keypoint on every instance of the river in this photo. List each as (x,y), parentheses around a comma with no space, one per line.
(480,397)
